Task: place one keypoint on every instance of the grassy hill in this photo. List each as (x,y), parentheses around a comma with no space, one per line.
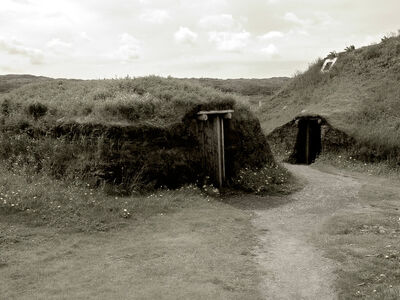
(360,95)
(152,100)
(137,134)
(246,87)
(249,91)
(11,82)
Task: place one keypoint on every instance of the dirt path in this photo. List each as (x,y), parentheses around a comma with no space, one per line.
(292,267)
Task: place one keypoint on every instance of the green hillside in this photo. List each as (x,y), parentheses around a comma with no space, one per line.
(360,95)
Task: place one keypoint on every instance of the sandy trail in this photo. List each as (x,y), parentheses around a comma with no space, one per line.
(292,267)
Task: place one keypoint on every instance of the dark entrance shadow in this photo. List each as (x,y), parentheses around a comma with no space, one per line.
(308,141)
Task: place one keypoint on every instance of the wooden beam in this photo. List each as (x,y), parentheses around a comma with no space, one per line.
(215,112)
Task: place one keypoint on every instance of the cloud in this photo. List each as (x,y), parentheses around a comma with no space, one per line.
(271,50)
(84,36)
(129,49)
(58,46)
(230,41)
(271,35)
(185,36)
(325,19)
(155,16)
(13,47)
(218,22)
(10,69)
(291,17)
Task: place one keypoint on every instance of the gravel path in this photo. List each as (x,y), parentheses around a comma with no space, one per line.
(292,267)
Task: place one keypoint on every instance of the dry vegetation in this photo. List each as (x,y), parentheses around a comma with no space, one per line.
(71,149)
(137,133)
(152,100)
(360,95)
(175,245)
(364,239)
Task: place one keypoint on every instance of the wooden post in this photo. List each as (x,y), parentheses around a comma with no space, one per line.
(221,120)
(217,130)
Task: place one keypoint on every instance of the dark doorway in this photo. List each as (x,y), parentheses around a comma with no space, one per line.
(308,142)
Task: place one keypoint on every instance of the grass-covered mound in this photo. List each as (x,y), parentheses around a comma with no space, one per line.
(133,134)
(246,87)
(11,82)
(359,96)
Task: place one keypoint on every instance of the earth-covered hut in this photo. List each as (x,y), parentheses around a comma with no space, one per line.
(135,134)
(357,99)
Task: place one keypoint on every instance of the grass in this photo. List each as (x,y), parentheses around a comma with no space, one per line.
(37,199)
(12,82)
(154,100)
(138,134)
(271,179)
(368,247)
(342,160)
(364,239)
(175,245)
(246,87)
(360,95)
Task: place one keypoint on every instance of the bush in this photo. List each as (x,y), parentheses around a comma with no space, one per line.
(309,78)
(350,48)
(372,52)
(37,110)
(269,179)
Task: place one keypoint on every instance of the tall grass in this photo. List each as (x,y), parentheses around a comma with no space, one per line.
(149,99)
(359,95)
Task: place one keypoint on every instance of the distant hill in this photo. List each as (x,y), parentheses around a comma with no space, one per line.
(360,95)
(252,92)
(12,82)
(246,87)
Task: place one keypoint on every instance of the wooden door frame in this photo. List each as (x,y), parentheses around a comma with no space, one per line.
(218,117)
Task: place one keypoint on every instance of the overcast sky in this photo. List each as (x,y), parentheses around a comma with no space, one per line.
(183,38)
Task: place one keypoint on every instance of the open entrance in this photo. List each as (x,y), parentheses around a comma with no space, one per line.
(308,142)
(213,125)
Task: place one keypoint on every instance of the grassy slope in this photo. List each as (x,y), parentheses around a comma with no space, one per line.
(154,100)
(249,91)
(11,82)
(360,95)
(246,87)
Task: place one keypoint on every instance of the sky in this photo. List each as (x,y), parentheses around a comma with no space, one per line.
(92,39)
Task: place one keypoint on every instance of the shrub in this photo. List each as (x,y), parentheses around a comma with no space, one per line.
(5,107)
(372,52)
(268,179)
(309,78)
(350,48)
(332,54)
(37,110)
